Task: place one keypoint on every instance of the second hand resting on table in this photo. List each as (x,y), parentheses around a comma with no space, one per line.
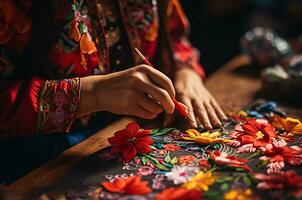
(127,93)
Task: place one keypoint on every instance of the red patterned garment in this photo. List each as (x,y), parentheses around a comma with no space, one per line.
(53,43)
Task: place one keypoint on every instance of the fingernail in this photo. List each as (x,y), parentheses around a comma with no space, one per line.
(218,124)
(209,126)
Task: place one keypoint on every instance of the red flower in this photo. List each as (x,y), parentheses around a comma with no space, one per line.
(179,194)
(204,164)
(131,141)
(222,158)
(289,181)
(259,133)
(171,147)
(280,154)
(130,185)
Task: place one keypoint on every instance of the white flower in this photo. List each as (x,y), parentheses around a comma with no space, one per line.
(181,174)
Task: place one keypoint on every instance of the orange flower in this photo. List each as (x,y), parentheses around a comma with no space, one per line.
(179,194)
(186,159)
(87,45)
(74,32)
(290,125)
(130,185)
(171,147)
(15,27)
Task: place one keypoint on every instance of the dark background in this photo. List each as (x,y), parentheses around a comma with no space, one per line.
(217,25)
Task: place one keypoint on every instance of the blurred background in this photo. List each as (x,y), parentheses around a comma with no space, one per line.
(217,25)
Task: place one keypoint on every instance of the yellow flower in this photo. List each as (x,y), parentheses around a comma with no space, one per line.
(201,181)
(204,138)
(290,125)
(234,194)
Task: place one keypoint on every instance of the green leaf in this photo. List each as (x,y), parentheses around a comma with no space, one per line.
(168,158)
(162,167)
(154,160)
(224,187)
(174,160)
(154,131)
(164,131)
(144,160)
(169,165)
(247,180)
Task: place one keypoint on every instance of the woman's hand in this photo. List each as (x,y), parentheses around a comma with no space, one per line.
(202,107)
(141,91)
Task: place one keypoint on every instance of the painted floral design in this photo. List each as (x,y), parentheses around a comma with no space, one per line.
(289,181)
(255,134)
(288,124)
(240,194)
(279,154)
(224,159)
(181,174)
(130,185)
(201,181)
(179,194)
(131,141)
(204,138)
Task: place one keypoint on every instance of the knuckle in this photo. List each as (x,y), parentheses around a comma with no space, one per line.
(136,78)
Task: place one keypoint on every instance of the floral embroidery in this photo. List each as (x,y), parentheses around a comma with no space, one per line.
(14,34)
(289,124)
(204,138)
(279,154)
(171,147)
(201,181)
(130,185)
(186,159)
(131,141)
(256,133)
(222,158)
(181,168)
(181,174)
(240,194)
(142,23)
(179,194)
(288,181)
(58,104)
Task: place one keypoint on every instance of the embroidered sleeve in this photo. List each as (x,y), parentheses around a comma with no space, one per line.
(37,106)
(58,105)
(178,28)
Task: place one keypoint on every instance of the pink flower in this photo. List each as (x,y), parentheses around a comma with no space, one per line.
(181,174)
(144,171)
(289,181)
(224,159)
(279,154)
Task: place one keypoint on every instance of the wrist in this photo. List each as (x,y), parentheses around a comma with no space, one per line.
(88,101)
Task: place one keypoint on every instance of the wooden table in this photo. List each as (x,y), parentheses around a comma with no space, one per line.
(232,90)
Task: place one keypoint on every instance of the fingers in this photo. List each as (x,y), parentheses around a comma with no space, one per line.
(190,110)
(161,96)
(212,115)
(202,115)
(148,104)
(161,80)
(218,110)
